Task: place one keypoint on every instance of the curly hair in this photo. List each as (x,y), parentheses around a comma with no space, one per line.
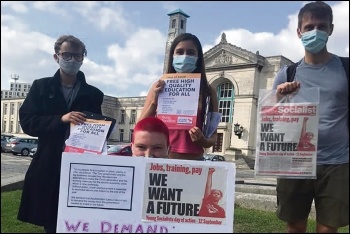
(73,42)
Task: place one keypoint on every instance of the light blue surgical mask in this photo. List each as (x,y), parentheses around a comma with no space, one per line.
(184,63)
(70,67)
(314,41)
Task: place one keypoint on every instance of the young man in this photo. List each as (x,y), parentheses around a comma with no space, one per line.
(150,138)
(319,68)
(51,105)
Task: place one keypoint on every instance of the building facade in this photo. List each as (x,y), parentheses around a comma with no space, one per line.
(9,115)
(17,90)
(236,74)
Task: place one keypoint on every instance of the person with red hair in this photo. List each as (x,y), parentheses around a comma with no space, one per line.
(150,138)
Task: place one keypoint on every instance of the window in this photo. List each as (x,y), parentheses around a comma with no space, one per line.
(3,129)
(5,109)
(133,117)
(18,106)
(11,126)
(131,132)
(218,144)
(182,24)
(12,109)
(121,134)
(173,23)
(122,116)
(226,98)
(19,129)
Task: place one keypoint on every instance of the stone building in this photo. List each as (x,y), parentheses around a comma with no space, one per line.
(9,115)
(17,90)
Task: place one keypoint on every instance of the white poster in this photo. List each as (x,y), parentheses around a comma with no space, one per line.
(88,137)
(178,102)
(103,194)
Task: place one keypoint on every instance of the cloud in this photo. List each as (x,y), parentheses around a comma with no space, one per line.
(16,6)
(170,5)
(105,15)
(25,53)
(136,65)
(286,42)
(12,22)
(50,6)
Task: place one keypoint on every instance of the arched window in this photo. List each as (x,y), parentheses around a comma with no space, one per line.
(226,97)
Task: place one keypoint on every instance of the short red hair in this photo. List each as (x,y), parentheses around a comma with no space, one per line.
(152,124)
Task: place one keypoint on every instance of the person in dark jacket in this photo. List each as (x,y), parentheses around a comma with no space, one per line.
(51,105)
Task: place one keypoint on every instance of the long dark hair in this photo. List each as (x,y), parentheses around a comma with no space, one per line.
(204,85)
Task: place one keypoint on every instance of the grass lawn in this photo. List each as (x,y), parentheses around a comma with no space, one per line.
(246,220)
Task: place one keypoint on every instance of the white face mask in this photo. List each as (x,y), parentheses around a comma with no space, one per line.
(70,67)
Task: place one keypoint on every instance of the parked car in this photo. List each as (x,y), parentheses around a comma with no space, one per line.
(32,152)
(122,150)
(214,157)
(4,140)
(109,146)
(21,145)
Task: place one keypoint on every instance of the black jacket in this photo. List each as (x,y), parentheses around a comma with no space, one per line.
(40,116)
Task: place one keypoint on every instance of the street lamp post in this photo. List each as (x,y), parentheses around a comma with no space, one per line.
(15,77)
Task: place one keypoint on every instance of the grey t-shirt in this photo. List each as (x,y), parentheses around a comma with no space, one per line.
(333,134)
(69,93)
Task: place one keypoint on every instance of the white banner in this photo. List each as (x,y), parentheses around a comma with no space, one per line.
(103,194)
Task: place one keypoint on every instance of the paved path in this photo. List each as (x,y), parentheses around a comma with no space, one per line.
(13,168)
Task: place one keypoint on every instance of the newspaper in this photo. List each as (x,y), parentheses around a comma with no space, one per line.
(287,133)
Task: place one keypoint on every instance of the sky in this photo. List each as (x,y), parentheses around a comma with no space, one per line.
(126,40)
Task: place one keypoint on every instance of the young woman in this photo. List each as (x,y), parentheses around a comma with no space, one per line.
(150,138)
(186,56)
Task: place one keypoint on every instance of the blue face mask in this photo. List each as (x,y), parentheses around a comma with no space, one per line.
(184,63)
(314,41)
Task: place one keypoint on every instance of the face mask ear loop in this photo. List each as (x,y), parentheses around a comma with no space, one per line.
(167,153)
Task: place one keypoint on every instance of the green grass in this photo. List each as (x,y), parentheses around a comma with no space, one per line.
(256,221)
(246,220)
(9,209)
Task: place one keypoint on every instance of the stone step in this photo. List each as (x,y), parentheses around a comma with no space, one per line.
(241,164)
(256,189)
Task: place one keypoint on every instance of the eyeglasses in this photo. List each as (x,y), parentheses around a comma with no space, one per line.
(68,56)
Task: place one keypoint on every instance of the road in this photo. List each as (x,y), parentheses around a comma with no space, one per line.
(13,165)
